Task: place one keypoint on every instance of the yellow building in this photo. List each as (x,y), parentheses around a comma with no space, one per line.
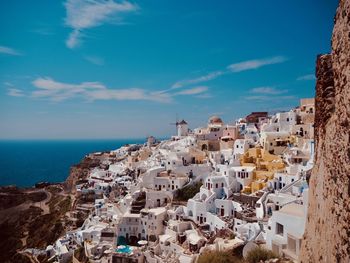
(266,165)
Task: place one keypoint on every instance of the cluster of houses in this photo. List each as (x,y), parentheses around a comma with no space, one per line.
(249,181)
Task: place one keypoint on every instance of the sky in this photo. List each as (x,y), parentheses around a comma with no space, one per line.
(127,69)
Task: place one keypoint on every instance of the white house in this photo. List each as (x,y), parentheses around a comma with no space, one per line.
(286,228)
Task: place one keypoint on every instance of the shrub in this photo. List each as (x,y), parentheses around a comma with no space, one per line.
(187,192)
(218,257)
(257,254)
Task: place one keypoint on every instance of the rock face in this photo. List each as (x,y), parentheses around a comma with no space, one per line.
(79,172)
(327,236)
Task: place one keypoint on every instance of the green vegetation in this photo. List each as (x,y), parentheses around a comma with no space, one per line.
(219,257)
(79,254)
(44,230)
(65,205)
(258,254)
(60,203)
(15,197)
(187,192)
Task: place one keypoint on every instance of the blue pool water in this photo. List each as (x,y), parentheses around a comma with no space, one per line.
(125,249)
(25,163)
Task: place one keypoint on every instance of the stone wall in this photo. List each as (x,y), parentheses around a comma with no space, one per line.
(327,236)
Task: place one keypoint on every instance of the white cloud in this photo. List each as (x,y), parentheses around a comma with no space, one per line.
(13,92)
(269,98)
(267,91)
(233,68)
(204,78)
(9,51)
(73,39)
(95,60)
(50,89)
(91,91)
(255,64)
(193,91)
(307,77)
(83,14)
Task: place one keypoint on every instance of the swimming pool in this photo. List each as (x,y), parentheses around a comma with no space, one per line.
(124,249)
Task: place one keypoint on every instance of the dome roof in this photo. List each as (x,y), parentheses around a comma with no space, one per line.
(215,120)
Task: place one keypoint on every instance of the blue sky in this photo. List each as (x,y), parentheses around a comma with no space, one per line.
(124,69)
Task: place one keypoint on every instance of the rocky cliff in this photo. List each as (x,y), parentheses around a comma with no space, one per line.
(327,237)
(79,172)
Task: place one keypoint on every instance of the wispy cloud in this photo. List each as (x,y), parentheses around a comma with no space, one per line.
(269,98)
(267,91)
(193,91)
(82,14)
(307,77)
(91,91)
(43,31)
(50,89)
(9,51)
(56,91)
(230,69)
(95,60)
(13,92)
(268,94)
(255,64)
(204,78)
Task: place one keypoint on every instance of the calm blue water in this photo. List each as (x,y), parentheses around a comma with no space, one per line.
(25,163)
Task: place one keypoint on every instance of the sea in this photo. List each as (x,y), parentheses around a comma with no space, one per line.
(25,162)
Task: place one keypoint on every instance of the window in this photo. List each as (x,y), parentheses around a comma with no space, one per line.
(279,229)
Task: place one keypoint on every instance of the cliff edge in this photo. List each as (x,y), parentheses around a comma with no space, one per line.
(327,236)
